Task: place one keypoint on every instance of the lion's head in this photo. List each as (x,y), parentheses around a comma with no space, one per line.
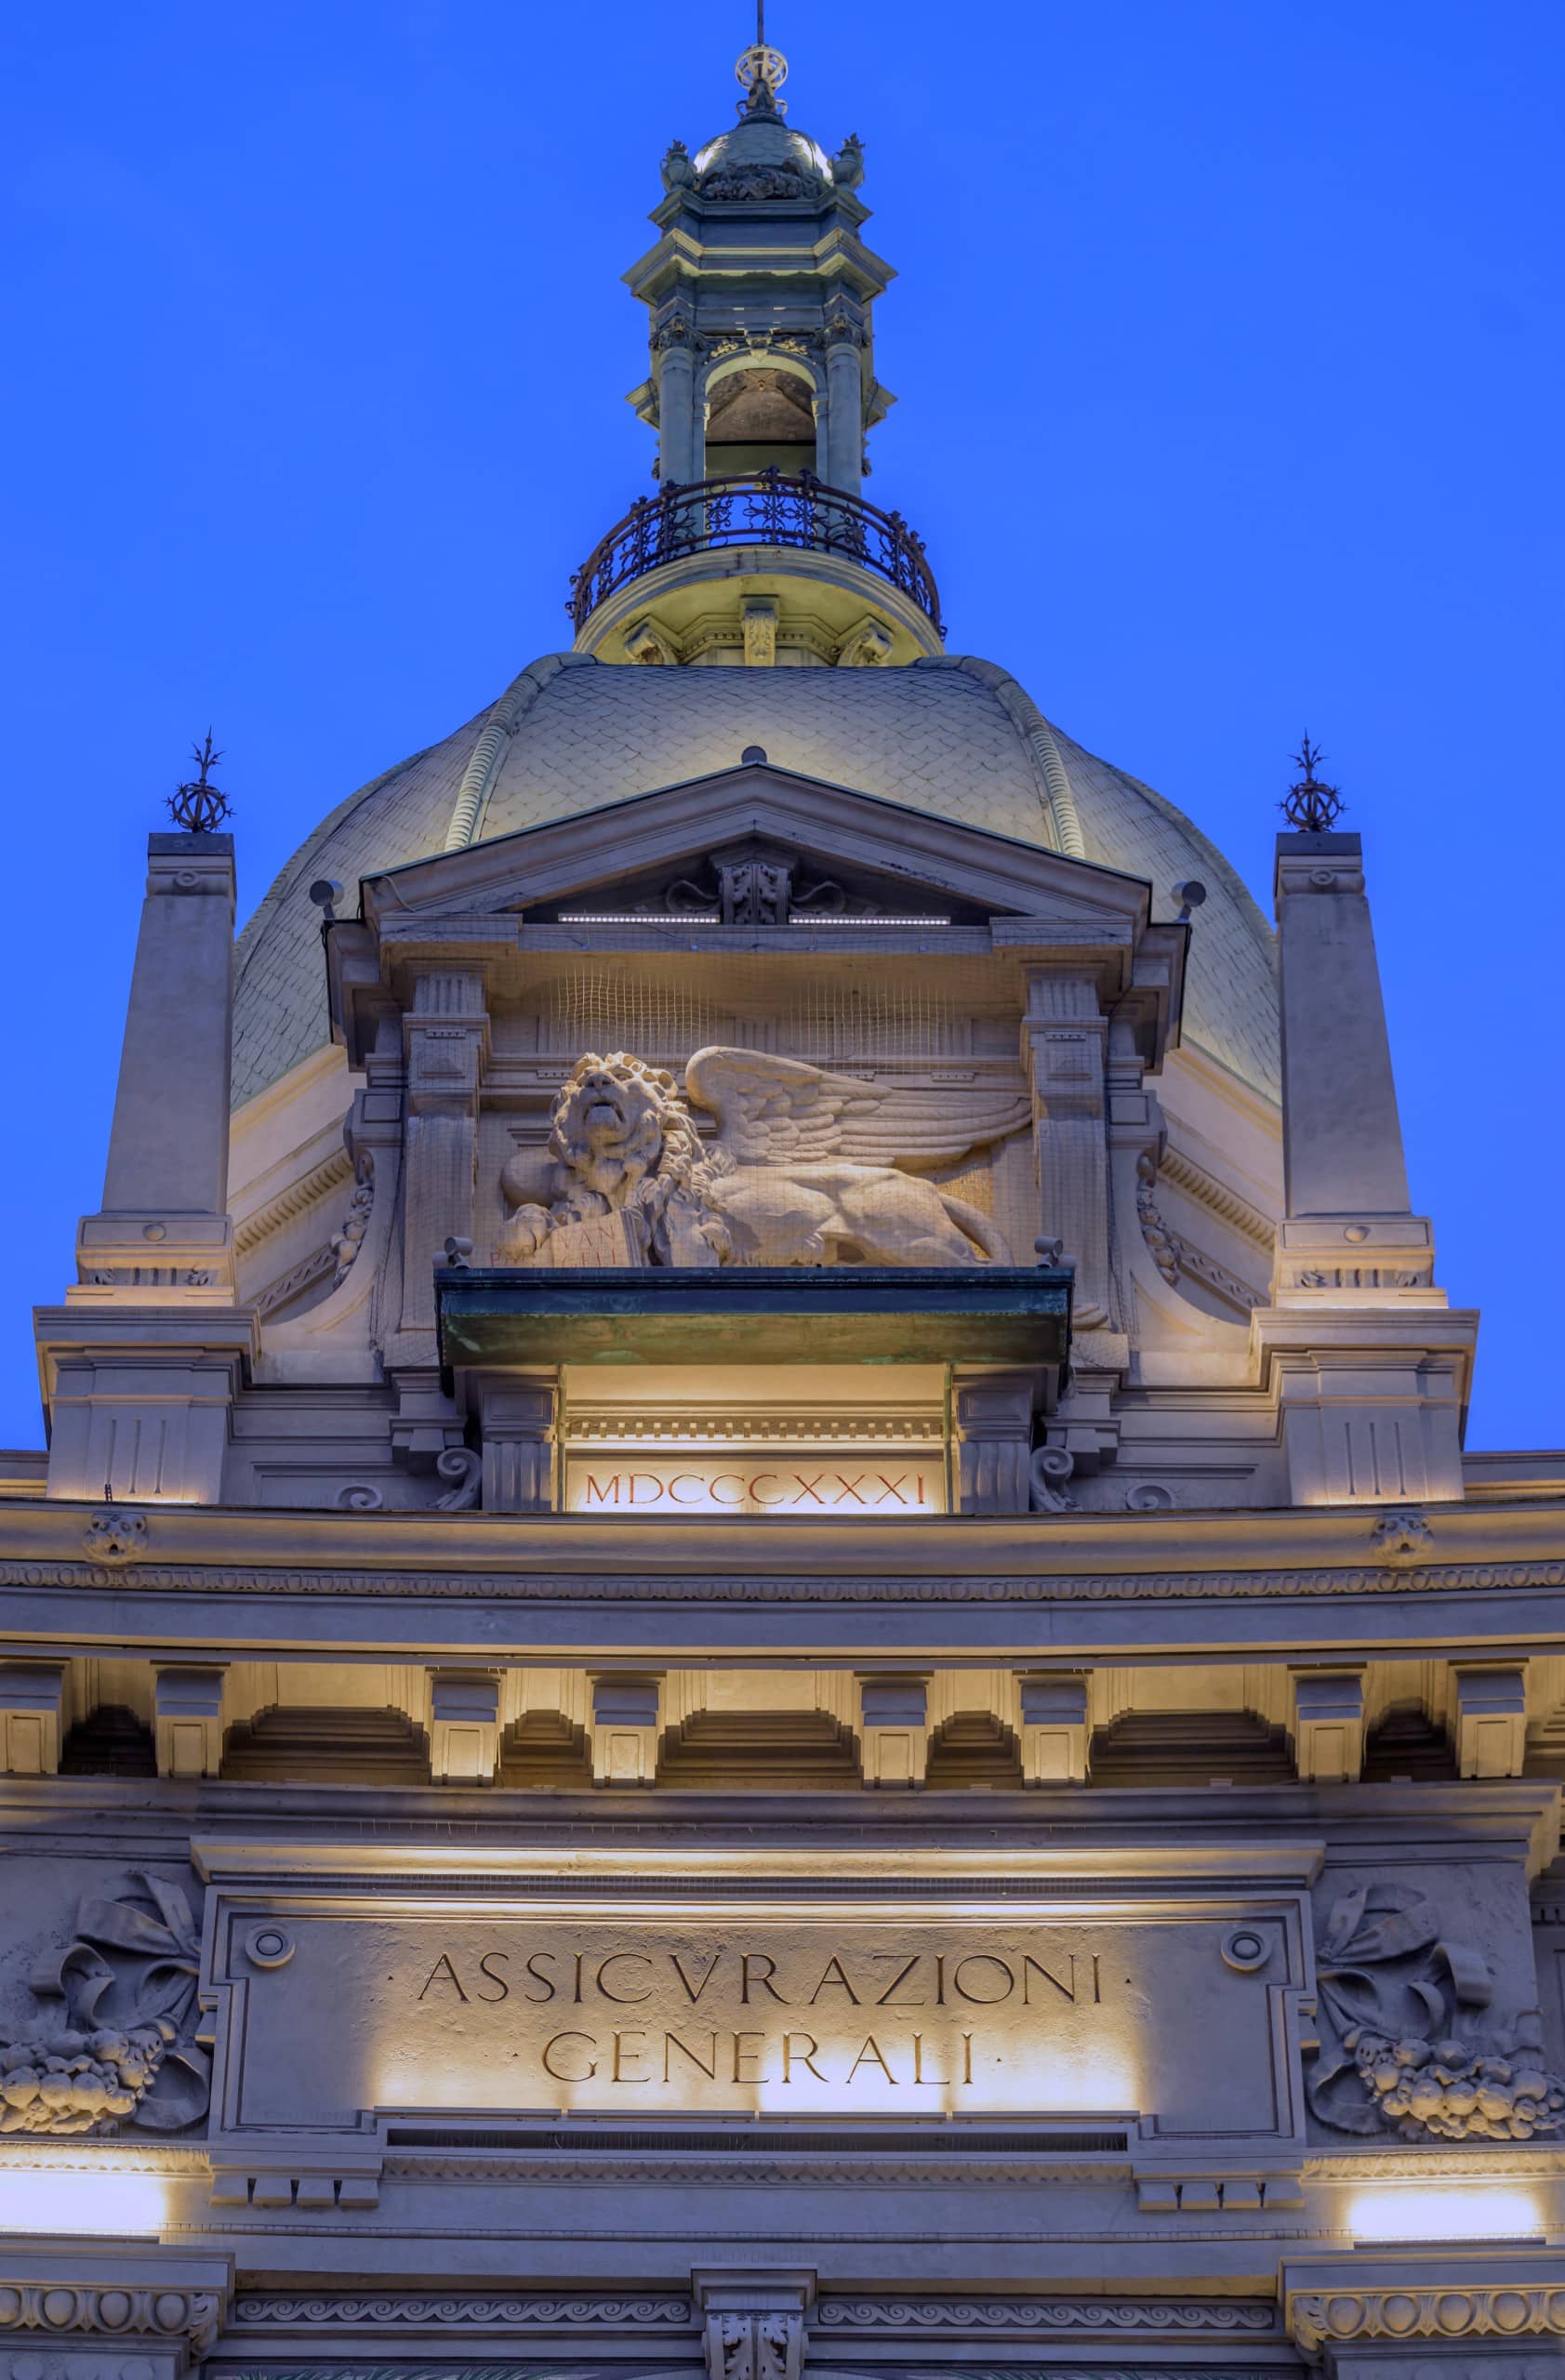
(616,1120)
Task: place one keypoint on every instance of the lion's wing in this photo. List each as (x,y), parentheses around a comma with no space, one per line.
(770,1110)
(777,1111)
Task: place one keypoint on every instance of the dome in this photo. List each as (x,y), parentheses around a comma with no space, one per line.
(761,158)
(952,735)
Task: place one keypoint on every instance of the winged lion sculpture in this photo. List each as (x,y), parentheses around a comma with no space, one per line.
(804,1167)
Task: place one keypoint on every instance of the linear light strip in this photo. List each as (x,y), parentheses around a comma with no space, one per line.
(591,919)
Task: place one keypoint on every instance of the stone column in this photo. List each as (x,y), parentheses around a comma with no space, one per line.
(1064,1039)
(845,406)
(679,460)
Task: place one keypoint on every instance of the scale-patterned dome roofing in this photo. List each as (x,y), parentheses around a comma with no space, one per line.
(956,737)
(759,141)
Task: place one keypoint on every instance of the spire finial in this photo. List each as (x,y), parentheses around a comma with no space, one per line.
(198,806)
(762,72)
(1312,807)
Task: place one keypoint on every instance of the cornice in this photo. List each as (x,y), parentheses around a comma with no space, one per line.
(835,1587)
(1322,1549)
(1186,1174)
(321,1182)
(1462,2291)
(829,2172)
(853,1873)
(1072,2317)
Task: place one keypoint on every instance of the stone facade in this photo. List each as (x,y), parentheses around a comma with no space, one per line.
(755,1640)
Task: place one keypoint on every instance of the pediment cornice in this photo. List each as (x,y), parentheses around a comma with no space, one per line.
(591,850)
(916,889)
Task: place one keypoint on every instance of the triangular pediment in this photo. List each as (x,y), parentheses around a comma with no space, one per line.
(854,854)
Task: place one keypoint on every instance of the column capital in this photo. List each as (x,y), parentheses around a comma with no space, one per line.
(754,2323)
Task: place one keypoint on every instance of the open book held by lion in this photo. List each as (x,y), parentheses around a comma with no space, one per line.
(804,1167)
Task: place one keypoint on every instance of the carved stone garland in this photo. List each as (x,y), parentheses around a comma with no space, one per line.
(1381,1959)
(120,2047)
(356,1222)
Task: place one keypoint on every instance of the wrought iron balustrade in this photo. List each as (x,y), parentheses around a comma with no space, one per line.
(765,508)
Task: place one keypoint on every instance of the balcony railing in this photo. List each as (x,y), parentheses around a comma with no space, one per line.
(767,508)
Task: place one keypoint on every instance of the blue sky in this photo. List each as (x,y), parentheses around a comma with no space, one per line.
(1227,345)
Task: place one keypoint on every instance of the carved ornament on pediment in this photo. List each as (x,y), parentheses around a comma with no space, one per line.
(754,884)
(117,2042)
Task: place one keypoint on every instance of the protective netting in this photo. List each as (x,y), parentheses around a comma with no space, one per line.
(827,1020)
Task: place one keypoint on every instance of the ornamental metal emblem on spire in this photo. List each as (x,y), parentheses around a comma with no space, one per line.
(199,806)
(1312,807)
